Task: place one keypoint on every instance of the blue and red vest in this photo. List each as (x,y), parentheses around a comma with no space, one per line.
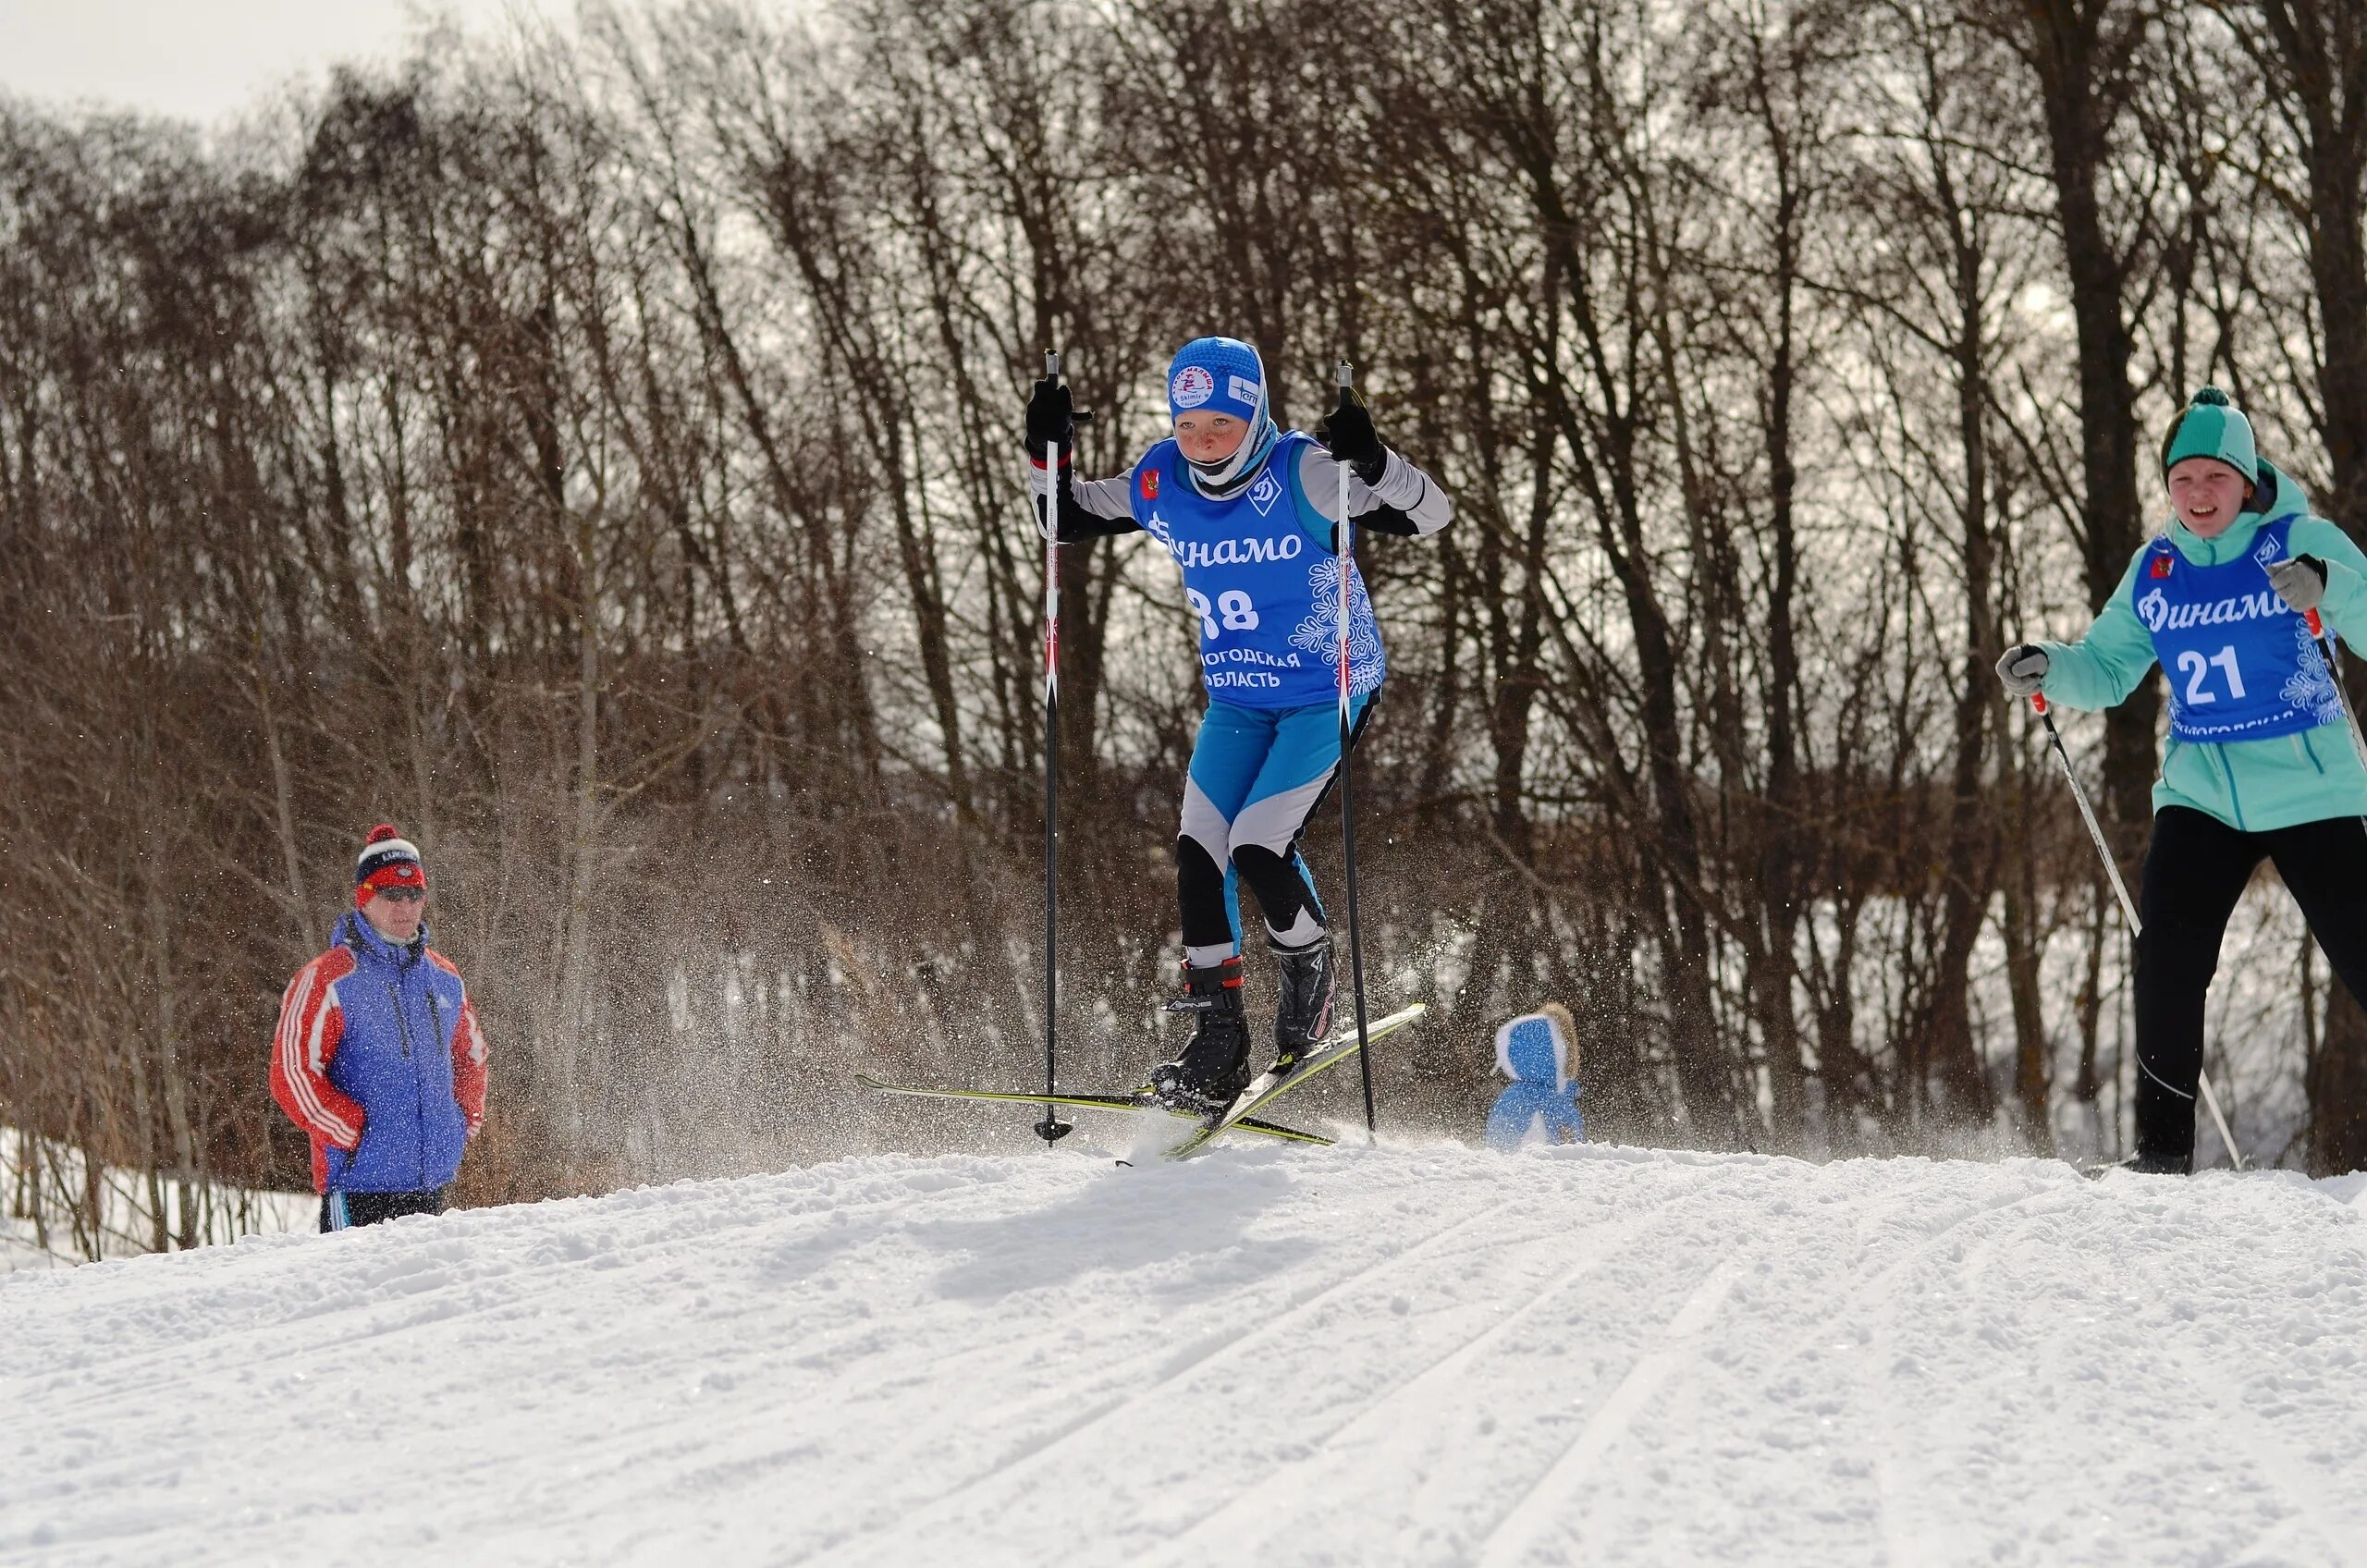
(2241,665)
(1262,583)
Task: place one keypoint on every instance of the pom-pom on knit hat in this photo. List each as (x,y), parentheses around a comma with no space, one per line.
(2210,426)
(387,860)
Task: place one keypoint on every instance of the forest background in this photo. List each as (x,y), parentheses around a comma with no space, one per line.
(597,451)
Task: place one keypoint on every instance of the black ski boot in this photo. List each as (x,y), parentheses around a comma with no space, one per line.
(1215,1064)
(1304,1018)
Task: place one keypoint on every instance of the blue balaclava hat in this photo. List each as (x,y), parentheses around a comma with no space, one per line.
(1223,375)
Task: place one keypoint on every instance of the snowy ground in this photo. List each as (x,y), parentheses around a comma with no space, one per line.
(1286,1356)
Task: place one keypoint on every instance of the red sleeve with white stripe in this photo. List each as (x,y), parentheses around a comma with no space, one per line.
(310,1024)
(468,1066)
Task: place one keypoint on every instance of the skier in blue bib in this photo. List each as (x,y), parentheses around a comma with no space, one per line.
(1249,512)
(2259,762)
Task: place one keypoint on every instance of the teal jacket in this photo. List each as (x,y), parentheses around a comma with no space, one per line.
(2249,785)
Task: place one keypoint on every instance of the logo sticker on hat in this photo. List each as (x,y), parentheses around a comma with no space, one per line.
(1193,385)
(1241,389)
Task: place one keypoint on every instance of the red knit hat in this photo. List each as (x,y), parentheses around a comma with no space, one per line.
(387,860)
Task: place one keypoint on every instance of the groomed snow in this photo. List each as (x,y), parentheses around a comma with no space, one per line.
(1347,1356)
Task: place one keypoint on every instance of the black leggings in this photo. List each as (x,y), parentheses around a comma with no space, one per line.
(342,1211)
(2195,870)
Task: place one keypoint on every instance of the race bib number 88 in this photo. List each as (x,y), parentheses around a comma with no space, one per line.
(1238,611)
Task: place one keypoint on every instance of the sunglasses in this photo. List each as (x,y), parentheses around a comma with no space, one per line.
(403,895)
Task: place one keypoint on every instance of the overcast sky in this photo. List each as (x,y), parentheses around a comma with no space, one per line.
(198,59)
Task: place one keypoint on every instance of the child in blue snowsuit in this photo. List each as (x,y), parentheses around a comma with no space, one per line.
(1538,1052)
(1250,513)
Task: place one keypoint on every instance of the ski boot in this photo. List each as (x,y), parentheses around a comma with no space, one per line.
(1304,1017)
(1214,1067)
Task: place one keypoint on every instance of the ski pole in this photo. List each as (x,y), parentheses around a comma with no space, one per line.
(1347,543)
(2128,905)
(1052,1129)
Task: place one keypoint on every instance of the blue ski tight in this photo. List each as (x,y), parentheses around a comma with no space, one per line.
(1257,775)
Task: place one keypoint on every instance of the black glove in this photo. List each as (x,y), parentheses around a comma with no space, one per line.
(1052,416)
(1347,432)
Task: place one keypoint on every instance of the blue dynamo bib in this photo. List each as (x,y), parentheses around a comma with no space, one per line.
(1266,594)
(2241,665)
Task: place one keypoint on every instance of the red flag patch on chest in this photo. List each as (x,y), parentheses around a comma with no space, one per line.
(2161,566)
(1150,484)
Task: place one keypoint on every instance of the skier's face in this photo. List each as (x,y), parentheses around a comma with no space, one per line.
(397,919)
(1209,438)
(2207,493)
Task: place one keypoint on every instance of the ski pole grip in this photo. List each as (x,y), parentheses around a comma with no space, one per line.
(2317,627)
(1052,372)
(1347,374)
(2037,704)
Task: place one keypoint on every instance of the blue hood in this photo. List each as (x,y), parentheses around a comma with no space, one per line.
(1528,1050)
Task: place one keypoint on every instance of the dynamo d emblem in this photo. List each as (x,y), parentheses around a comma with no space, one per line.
(1191,387)
(2153,609)
(2267,552)
(1266,492)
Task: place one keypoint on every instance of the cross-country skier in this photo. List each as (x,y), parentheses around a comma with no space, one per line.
(1249,512)
(2259,760)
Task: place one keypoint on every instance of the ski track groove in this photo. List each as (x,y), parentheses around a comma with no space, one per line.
(1517,1530)
(1032,1450)
(1910,1554)
(1903,1543)
(2273,1459)
(1909,1546)
(1450,1363)
(1773,1361)
(1441,1368)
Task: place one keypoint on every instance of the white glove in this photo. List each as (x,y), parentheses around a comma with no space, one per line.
(2023,670)
(2300,581)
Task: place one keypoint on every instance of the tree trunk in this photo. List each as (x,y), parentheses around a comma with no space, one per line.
(2083,79)
(1966,862)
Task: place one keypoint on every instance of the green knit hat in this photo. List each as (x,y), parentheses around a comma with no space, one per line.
(2212,427)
